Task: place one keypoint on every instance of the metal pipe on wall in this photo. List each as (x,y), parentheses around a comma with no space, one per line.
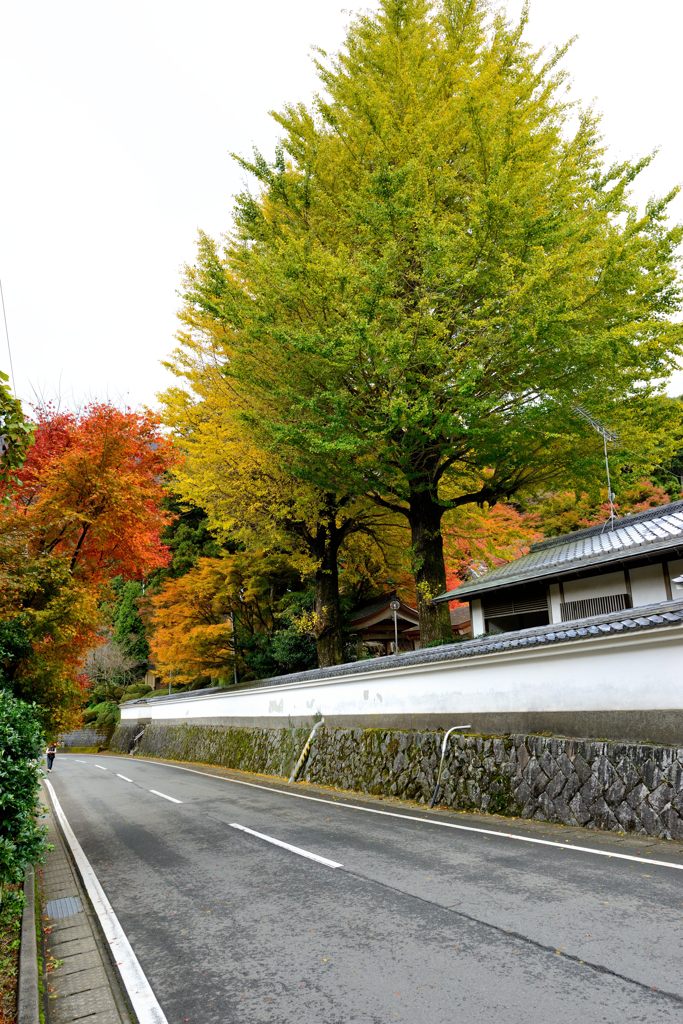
(304,753)
(437,788)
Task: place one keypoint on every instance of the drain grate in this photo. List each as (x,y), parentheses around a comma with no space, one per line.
(66,907)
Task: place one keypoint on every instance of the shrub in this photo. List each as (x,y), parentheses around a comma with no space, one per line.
(21,743)
(103,717)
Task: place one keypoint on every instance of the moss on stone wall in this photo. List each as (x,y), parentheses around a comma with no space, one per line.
(123,737)
(266,751)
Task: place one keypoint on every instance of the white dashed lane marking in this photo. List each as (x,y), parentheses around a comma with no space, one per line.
(171,798)
(286,846)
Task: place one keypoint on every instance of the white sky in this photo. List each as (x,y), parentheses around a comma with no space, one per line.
(116,124)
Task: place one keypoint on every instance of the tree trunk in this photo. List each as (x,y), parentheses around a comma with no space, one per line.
(329,636)
(425,516)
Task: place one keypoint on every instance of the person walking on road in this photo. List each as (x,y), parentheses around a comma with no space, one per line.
(51,751)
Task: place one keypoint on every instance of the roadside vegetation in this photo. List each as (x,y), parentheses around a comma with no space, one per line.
(11,906)
(21,838)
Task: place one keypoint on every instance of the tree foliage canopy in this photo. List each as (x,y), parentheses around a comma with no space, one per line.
(85,506)
(16,433)
(93,484)
(436,269)
(249,495)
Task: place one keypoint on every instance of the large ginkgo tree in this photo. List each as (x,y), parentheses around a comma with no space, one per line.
(437,267)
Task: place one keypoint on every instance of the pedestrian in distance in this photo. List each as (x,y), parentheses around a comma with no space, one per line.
(50,752)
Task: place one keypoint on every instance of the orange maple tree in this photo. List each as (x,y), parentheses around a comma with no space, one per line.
(478,539)
(92,484)
(192,629)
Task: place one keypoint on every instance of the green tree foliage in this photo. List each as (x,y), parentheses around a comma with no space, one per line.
(105,716)
(249,495)
(224,613)
(16,434)
(21,741)
(47,619)
(288,645)
(435,270)
(189,538)
(129,630)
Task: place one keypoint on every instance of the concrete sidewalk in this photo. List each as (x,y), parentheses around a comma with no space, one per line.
(82,985)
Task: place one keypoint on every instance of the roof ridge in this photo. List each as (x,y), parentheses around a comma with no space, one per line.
(657,512)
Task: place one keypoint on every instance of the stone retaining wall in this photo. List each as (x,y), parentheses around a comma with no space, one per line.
(82,738)
(265,751)
(607,785)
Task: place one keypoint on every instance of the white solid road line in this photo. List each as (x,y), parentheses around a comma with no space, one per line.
(171,798)
(124,777)
(101,767)
(145,1005)
(426,821)
(286,846)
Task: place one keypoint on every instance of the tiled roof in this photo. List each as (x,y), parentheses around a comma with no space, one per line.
(631,621)
(379,610)
(655,616)
(656,529)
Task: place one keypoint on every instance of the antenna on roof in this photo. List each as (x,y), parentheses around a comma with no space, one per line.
(606,435)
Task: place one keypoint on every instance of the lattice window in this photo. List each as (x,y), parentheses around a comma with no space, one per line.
(531,599)
(594,606)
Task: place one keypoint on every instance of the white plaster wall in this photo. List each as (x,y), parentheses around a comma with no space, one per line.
(611,673)
(595,586)
(647,585)
(477,614)
(555,601)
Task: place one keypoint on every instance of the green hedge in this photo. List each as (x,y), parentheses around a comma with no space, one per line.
(21,745)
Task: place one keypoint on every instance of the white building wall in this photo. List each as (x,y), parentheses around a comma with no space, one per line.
(622,672)
(595,586)
(554,602)
(647,585)
(477,615)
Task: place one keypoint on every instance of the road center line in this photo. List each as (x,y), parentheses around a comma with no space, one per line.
(101,767)
(144,1002)
(124,777)
(426,821)
(287,846)
(171,798)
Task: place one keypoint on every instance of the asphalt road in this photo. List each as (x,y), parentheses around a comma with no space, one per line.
(418,922)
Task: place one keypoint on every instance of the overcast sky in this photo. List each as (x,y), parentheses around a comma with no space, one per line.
(117,123)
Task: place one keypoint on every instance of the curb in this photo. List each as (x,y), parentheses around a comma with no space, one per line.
(115,944)
(27,995)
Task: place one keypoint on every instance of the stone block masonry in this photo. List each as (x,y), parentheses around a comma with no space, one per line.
(265,751)
(605,785)
(82,738)
(624,787)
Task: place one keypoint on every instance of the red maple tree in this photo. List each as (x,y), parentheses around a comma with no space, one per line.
(92,486)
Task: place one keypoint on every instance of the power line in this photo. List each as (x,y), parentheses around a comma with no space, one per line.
(9,350)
